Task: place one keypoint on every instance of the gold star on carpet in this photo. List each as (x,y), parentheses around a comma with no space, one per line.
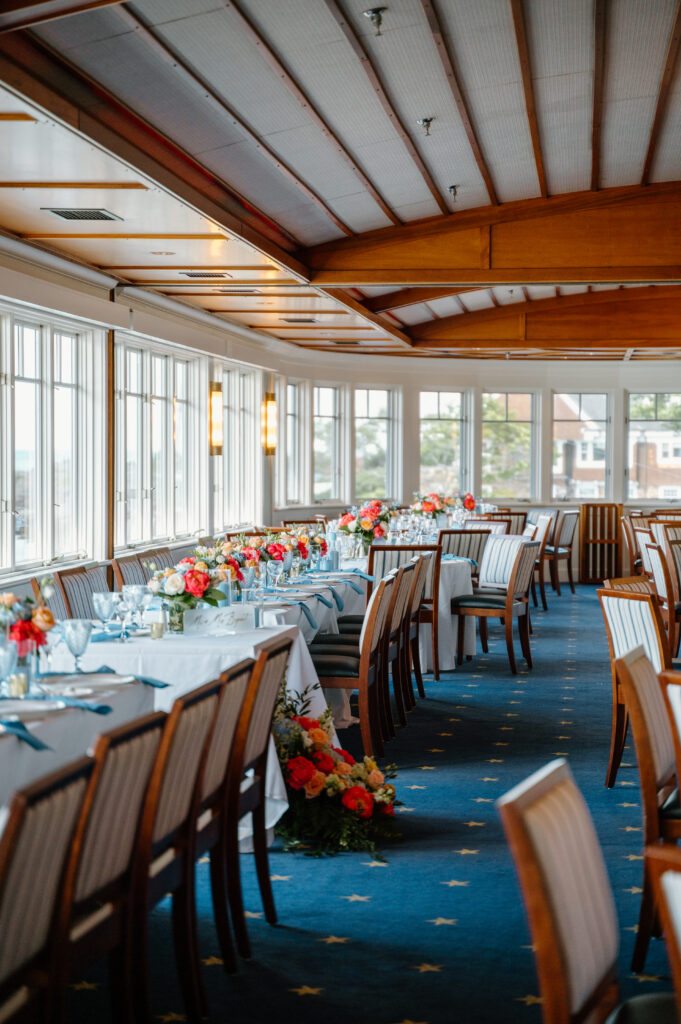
(204,860)
(474,824)
(627,805)
(280,878)
(212,961)
(305,990)
(167,1017)
(416,787)
(506,728)
(500,743)
(563,737)
(626,783)
(632,928)
(253,913)
(633,856)
(465,851)
(442,920)
(530,1000)
(565,723)
(436,750)
(374,863)
(427,768)
(512,714)
(332,940)
(445,734)
(517,691)
(560,753)
(646,977)
(634,890)
(454,882)
(85,986)
(356,899)
(405,810)
(407,1021)
(427,968)
(533,948)
(515,702)
(453,719)
(626,764)
(481,799)
(631,828)
(488,779)
(495,760)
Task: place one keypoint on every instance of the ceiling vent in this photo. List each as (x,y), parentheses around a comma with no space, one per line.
(202,274)
(298,319)
(342,342)
(82,214)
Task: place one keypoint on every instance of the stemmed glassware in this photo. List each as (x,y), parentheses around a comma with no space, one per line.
(134,594)
(77,637)
(259,595)
(121,609)
(103,605)
(8,661)
(274,571)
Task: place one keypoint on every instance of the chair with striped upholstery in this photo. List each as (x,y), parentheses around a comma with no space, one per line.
(664,533)
(508,563)
(164,856)
(51,596)
(94,911)
(162,557)
(542,528)
(644,538)
(77,587)
(635,566)
(478,523)
(518,522)
(662,581)
(131,570)
(664,865)
(465,544)
(569,903)
(246,783)
(631,619)
(529,531)
(560,549)
(638,584)
(34,843)
(655,753)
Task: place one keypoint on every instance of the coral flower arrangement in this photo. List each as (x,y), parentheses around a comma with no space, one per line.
(369,523)
(336,803)
(25,621)
(432,505)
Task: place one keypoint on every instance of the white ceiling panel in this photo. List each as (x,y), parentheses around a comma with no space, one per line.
(415,314)
(541,291)
(667,162)
(446,307)
(161,12)
(638,35)
(477,300)
(68,34)
(482,41)
(572,289)
(505,296)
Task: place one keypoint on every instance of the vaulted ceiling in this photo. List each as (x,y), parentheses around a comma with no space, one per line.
(301,158)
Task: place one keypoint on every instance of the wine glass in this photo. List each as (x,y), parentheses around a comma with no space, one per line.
(134,594)
(274,571)
(103,605)
(259,595)
(9,653)
(77,637)
(121,609)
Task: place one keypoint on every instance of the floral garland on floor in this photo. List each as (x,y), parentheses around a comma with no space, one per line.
(336,804)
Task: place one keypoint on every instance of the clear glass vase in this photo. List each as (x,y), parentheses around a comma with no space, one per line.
(175,617)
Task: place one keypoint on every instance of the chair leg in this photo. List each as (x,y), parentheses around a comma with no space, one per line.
(555,575)
(416,661)
(407,684)
(368,720)
(620,721)
(533,590)
(542,588)
(646,923)
(384,717)
(524,631)
(234,893)
(262,865)
(509,642)
(218,887)
(398,690)
(120,983)
(460,626)
(185,937)
(140,963)
(483,634)
(436,647)
(569,571)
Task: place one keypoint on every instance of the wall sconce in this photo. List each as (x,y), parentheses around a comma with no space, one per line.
(268,423)
(215,418)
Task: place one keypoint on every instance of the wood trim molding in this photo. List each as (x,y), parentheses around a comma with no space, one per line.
(663,94)
(520,29)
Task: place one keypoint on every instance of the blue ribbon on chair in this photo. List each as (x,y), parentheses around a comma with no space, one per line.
(19,730)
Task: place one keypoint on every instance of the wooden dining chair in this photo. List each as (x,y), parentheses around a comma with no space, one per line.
(542,529)
(130,569)
(55,600)
(518,521)
(163,557)
(637,584)
(77,587)
(465,544)
(662,581)
(569,903)
(663,864)
(560,548)
(635,565)
(655,753)
(631,619)
(34,844)
(347,672)
(513,604)
(94,916)
(289,524)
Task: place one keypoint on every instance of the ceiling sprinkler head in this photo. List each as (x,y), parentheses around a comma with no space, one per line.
(425,122)
(452,190)
(375,16)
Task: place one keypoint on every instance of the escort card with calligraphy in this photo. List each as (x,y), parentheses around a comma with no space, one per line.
(208,621)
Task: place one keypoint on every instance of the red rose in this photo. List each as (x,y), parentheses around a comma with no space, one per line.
(379,531)
(357,799)
(323,546)
(324,762)
(302,550)
(237,569)
(196,583)
(277,552)
(469,502)
(250,554)
(348,758)
(387,809)
(346,519)
(427,506)
(307,723)
(22,632)
(299,771)
(189,560)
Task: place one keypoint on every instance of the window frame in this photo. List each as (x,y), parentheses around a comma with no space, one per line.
(535,435)
(389,420)
(628,420)
(340,446)
(607,448)
(463,421)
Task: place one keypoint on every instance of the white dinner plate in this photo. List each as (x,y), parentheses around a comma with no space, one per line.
(28,710)
(82,684)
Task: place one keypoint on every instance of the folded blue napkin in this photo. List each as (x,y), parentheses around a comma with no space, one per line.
(340,603)
(74,702)
(282,591)
(350,583)
(148,680)
(359,572)
(19,730)
(301,604)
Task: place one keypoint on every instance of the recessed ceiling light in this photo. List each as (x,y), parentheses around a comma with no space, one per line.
(162,254)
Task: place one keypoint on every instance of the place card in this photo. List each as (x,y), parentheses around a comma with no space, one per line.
(209,621)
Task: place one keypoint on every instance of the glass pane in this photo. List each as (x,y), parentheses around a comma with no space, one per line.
(64,358)
(134,371)
(655,459)
(506,460)
(641,407)
(440,456)
(668,407)
(26,472)
(578,460)
(158,375)
(181,370)
(594,407)
(181,456)
(159,476)
(378,403)
(361,402)
(325,447)
(519,407)
(371,449)
(327,401)
(566,407)
(133,468)
(493,406)
(65,472)
(450,404)
(26,351)
(428,404)
(292,444)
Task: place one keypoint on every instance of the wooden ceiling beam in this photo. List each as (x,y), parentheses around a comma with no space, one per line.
(354,305)
(409,297)
(574,345)
(272,59)
(47,79)
(520,29)
(380,93)
(474,280)
(19,14)
(55,185)
(600,27)
(172,57)
(663,94)
(447,61)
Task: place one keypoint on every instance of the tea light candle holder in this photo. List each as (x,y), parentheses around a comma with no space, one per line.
(156,630)
(18,684)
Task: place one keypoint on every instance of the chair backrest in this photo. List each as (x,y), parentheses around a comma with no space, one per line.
(633,619)
(55,602)
(419,584)
(567,894)
(480,523)
(518,520)
(383,558)
(130,570)
(643,539)
(664,864)
(163,557)
(288,523)
(629,540)
(77,587)
(399,604)
(206,542)
(261,696)
(651,730)
(674,547)
(124,759)
(220,746)
(523,570)
(553,513)
(667,513)
(464,543)
(375,618)
(564,533)
(529,531)
(637,584)
(498,560)
(502,524)
(660,571)
(34,844)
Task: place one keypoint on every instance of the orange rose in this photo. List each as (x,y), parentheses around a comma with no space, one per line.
(318,737)
(366,524)
(342,768)
(7,600)
(315,785)
(43,618)
(375,778)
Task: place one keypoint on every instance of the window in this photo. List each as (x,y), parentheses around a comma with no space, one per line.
(157,472)
(441,434)
(507,445)
(372,441)
(292,474)
(326,444)
(654,432)
(51,463)
(238,471)
(579,444)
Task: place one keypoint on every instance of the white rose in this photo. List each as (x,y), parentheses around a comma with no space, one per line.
(220,559)
(174,584)
(154,585)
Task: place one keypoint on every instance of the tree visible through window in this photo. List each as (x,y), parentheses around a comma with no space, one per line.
(326,439)
(372,433)
(507,445)
(440,433)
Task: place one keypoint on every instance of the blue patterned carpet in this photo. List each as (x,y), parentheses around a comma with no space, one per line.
(438,934)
